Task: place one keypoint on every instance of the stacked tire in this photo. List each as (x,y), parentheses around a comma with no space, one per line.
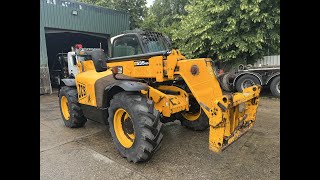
(226,81)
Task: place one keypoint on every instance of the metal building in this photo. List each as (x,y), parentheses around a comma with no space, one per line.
(66,23)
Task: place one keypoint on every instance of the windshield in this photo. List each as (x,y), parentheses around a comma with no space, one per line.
(155,42)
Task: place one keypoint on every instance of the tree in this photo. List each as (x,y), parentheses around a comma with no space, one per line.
(164,16)
(136,8)
(230,30)
(102,3)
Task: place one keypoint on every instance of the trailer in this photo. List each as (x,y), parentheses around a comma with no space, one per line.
(245,76)
(268,76)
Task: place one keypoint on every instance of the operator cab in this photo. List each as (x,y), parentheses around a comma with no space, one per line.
(129,45)
(137,42)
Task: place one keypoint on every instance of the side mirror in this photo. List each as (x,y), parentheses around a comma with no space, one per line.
(103,60)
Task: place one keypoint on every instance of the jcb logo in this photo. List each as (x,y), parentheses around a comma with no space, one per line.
(82,93)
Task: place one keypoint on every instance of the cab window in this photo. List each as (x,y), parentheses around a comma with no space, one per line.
(126,46)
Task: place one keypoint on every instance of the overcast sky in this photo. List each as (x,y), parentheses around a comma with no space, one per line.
(149,2)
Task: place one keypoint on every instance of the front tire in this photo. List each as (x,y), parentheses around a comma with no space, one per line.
(135,126)
(70,109)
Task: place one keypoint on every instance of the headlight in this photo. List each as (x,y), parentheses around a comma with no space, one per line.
(117,70)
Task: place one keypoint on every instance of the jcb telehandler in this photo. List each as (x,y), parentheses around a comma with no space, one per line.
(145,84)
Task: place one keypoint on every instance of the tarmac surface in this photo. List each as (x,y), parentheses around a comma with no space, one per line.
(89,153)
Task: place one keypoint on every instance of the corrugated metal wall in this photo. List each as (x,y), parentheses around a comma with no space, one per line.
(268,61)
(58,14)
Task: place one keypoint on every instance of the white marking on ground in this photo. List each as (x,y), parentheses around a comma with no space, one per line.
(100,157)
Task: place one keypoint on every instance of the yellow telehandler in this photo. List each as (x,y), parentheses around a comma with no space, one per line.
(144,84)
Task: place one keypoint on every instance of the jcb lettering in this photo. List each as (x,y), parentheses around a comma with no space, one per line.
(82,91)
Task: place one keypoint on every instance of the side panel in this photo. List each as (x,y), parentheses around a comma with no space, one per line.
(91,86)
(86,85)
(154,69)
(159,67)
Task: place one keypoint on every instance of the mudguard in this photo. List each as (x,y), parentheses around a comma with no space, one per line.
(128,86)
(107,86)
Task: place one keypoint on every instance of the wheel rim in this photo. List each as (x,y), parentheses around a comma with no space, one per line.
(64,108)
(247,83)
(278,86)
(124,128)
(191,116)
(194,111)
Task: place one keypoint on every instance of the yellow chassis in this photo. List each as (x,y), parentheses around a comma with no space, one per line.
(230,116)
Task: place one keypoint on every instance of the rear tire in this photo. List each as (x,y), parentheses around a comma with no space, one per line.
(164,119)
(144,133)
(202,123)
(195,119)
(70,109)
(245,81)
(275,87)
